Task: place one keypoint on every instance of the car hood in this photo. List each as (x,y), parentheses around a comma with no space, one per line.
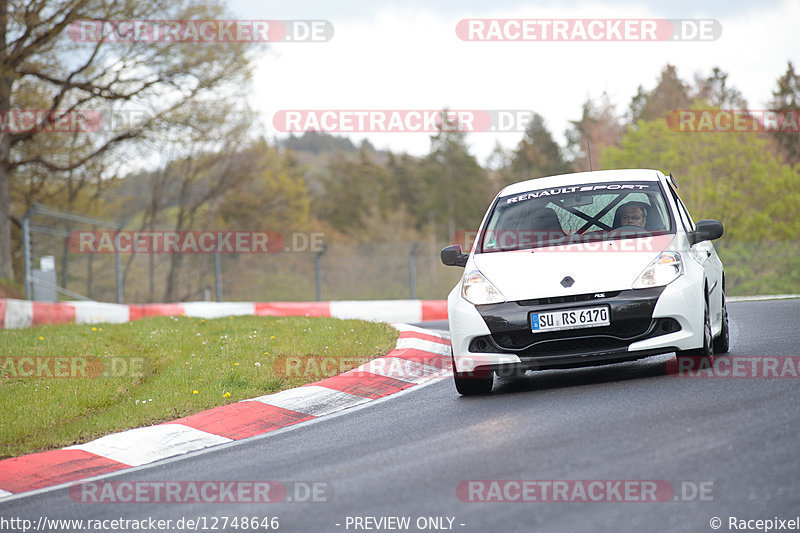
(538,273)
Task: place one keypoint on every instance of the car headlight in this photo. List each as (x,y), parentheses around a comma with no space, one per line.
(478,290)
(663,270)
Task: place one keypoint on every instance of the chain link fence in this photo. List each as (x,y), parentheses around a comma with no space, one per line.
(327,271)
(305,267)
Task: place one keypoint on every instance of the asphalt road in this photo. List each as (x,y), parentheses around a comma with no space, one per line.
(736,439)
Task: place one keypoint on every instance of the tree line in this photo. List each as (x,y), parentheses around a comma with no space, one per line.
(747,179)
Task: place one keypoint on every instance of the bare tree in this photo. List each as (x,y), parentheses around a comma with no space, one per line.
(598,126)
(44,67)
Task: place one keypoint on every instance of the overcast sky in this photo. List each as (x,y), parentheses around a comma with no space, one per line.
(387,55)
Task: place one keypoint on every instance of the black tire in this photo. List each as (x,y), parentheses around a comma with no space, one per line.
(706,351)
(471,383)
(723,342)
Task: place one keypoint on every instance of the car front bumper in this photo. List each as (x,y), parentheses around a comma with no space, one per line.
(644,322)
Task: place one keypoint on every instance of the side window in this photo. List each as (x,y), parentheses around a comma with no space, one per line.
(658,205)
(685,214)
(688,224)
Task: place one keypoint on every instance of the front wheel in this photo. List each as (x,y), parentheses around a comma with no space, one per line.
(723,343)
(471,383)
(706,352)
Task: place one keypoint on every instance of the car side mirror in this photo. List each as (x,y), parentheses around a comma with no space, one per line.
(705,230)
(454,256)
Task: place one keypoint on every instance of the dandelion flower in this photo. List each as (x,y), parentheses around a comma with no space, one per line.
(194,391)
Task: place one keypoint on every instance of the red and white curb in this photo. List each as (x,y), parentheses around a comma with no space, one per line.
(419,356)
(24,313)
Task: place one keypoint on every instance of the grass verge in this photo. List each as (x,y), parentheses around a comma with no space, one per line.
(66,384)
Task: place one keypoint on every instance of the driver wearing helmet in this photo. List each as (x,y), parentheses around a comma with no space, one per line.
(633,214)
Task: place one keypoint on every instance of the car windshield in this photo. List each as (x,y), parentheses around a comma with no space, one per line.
(576,214)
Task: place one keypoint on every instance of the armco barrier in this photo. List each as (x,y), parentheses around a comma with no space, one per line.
(24,313)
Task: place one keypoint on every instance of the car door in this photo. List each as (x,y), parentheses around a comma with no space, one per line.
(705,254)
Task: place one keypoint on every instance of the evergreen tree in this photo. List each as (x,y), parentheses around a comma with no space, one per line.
(786,98)
(537,154)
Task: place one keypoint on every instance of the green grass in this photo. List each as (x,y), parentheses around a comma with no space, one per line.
(162,368)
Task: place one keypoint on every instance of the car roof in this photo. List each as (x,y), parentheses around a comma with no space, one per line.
(575,178)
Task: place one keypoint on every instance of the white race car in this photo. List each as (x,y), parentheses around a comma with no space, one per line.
(585,269)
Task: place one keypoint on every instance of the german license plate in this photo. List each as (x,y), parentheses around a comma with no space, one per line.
(585,317)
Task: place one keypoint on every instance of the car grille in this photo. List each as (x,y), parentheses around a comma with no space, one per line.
(568,299)
(590,340)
